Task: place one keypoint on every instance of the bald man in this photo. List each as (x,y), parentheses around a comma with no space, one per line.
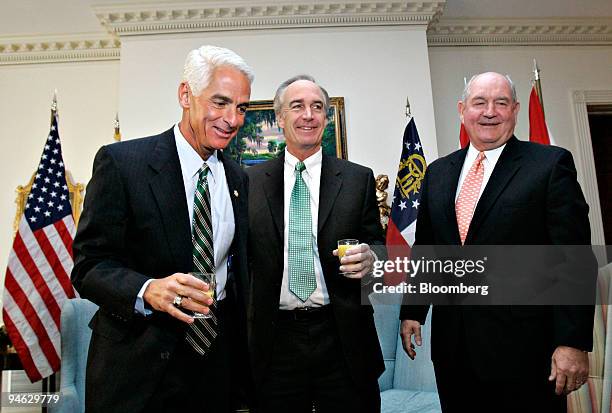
(502,358)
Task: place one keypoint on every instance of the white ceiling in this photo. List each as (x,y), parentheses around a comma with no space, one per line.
(43,17)
(38,17)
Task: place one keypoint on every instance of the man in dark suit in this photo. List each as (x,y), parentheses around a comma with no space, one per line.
(156,209)
(501,191)
(312,340)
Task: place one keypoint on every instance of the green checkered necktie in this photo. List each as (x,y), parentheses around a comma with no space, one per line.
(203,331)
(302,281)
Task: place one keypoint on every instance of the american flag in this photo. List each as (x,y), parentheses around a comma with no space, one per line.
(406,198)
(37,278)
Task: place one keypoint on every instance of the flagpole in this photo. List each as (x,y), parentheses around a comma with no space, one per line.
(537,83)
(49,383)
(464,139)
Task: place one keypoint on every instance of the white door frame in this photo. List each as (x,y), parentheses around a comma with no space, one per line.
(585,162)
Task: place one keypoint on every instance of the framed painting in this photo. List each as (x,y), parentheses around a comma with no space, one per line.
(260,138)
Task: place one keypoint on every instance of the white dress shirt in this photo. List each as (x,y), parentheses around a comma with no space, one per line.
(222,212)
(312,179)
(489,163)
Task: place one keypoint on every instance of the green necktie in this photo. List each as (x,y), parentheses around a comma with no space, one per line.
(302,281)
(202,236)
(202,333)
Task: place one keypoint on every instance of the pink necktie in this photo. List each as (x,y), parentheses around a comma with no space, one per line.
(468,197)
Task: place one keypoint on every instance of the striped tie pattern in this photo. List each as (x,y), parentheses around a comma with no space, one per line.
(203,331)
(468,197)
(302,281)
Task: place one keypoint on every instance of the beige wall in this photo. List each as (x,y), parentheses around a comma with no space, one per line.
(87,101)
(563,70)
(374,69)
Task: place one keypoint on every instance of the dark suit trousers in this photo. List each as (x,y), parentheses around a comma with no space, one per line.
(193,383)
(308,368)
(461,390)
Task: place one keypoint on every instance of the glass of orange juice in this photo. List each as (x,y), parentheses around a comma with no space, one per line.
(343,246)
(210,279)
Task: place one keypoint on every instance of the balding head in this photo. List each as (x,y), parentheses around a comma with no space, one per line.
(466,89)
(489,110)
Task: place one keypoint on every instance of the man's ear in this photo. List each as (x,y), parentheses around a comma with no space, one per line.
(517,107)
(280,119)
(460,109)
(183,95)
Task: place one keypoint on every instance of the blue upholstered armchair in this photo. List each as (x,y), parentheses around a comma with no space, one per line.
(406,385)
(76,314)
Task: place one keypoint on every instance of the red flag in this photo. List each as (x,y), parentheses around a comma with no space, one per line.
(464,139)
(538,132)
(37,277)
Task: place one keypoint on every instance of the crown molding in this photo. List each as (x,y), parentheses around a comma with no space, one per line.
(520,32)
(163,18)
(58,48)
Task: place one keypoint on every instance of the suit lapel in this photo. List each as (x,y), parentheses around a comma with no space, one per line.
(331,181)
(233,184)
(274,191)
(506,167)
(450,190)
(169,192)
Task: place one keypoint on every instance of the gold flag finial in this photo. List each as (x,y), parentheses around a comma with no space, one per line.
(536,70)
(54,102)
(117,136)
(408,112)
(54,113)
(538,83)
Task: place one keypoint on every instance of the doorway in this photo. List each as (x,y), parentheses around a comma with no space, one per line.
(600,125)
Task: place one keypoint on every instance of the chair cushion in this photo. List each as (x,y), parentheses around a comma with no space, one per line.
(75,317)
(386,317)
(417,374)
(408,401)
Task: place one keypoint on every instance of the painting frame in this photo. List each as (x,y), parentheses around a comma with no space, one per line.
(260,138)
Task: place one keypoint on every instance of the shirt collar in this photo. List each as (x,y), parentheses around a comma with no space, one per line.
(491,155)
(312,162)
(191,162)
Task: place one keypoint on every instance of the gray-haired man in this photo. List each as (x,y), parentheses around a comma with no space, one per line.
(156,209)
(312,341)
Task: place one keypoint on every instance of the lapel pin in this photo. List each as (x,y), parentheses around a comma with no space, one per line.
(235,193)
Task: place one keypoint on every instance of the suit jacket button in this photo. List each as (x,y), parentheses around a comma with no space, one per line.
(165,355)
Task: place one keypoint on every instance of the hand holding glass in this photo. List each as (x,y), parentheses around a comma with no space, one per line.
(210,279)
(343,246)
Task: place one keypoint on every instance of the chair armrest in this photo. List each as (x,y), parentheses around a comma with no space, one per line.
(68,401)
